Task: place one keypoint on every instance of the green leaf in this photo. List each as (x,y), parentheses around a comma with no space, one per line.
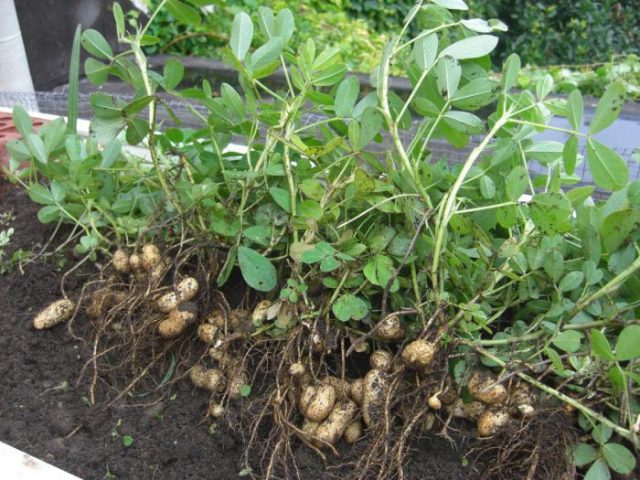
(137,129)
(22,121)
(487,187)
(369,127)
(172,73)
(94,43)
(472,47)
(551,212)
(96,71)
(285,25)
(601,433)
(452,4)
(233,101)
(127,440)
(619,227)
(379,271)
(608,169)
(241,35)
(258,234)
(600,345)
(511,70)
(598,471)
(608,108)
(49,214)
(183,13)
(425,51)
(575,109)
(281,197)
(266,54)
(569,341)
(448,73)
(585,454)
(40,194)
(257,270)
(245,390)
(37,148)
(517,182)
(346,96)
(310,209)
(464,122)
(349,307)
(475,94)
(619,458)
(628,344)
(118,16)
(570,155)
(571,281)
(267,22)
(544,151)
(110,154)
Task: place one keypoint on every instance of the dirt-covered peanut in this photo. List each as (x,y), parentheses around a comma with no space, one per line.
(483,387)
(342,387)
(207,378)
(172,327)
(120,261)
(418,354)
(526,410)
(470,411)
(491,422)
(434,402)
(259,314)
(334,426)
(216,317)
(207,332)
(187,288)
(186,311)
(168,302)
(391,329)
(381,359)
(357,390)
(57,312)
(316,401)
(353,432)
(238,379)
(216,410)
(238,317)
(374,390)
(309,427)
(135,262)
(297,369)
(429,421)
(449,396)
(150,256)
(157,272)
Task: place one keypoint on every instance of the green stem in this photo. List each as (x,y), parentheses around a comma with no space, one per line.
(448,204)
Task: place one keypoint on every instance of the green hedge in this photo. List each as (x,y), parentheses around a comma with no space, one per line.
(547,32)
(543,32)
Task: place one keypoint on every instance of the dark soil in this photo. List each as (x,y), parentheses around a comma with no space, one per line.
(44,410)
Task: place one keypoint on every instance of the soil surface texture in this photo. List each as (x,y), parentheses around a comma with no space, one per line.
(44,408)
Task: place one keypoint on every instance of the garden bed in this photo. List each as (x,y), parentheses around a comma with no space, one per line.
(45,412)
